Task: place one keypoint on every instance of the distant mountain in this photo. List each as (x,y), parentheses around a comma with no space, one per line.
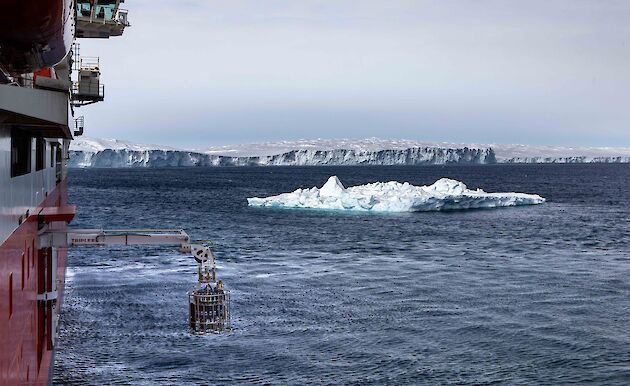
(89,152)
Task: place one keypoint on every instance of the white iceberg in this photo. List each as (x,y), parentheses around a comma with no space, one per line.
(444,194)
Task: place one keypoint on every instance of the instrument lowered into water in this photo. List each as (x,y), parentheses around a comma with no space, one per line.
(208,301)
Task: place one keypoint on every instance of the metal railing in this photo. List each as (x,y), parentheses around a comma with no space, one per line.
(79,125)
(95,91)
(121,17)
(89,63)
(95,94)
(26,81)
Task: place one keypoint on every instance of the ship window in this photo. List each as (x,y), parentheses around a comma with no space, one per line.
(105,9)
(104,12)
(20,153)
(58,170)
(84,8)
(58,154)
(10,294)
(40,153)
(24,264)
(52,155)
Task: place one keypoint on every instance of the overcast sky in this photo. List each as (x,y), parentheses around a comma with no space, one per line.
(197,73)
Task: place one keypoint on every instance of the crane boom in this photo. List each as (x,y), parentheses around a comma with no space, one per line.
(208,301)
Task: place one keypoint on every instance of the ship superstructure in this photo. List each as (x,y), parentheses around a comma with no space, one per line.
(42,82)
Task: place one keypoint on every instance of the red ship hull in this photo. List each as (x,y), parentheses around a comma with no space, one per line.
(26,323)
(36,123)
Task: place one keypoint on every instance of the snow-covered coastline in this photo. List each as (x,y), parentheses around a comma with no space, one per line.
(88,152)
(444,194)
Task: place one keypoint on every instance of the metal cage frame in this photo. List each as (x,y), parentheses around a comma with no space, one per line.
(209,312)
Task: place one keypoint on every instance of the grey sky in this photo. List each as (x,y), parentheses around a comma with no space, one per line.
(215,72)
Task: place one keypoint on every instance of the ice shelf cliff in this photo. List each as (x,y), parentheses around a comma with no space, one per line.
(87,152)
(99,153)
(444,194)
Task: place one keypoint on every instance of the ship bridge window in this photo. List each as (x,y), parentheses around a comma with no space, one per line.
(84,8)
(106,9)
(40,153)
(20,152)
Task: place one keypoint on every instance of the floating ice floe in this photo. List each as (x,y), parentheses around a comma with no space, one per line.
(444,194)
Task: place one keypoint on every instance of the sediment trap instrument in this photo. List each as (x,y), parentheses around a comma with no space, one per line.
(208,301)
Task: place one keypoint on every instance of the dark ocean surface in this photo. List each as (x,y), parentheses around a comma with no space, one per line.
(527,295)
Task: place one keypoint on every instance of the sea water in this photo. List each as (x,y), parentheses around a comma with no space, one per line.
(526,295)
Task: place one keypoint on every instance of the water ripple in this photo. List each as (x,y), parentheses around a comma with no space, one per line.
(537,295)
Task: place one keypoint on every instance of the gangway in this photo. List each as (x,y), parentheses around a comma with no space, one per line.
(208,301)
